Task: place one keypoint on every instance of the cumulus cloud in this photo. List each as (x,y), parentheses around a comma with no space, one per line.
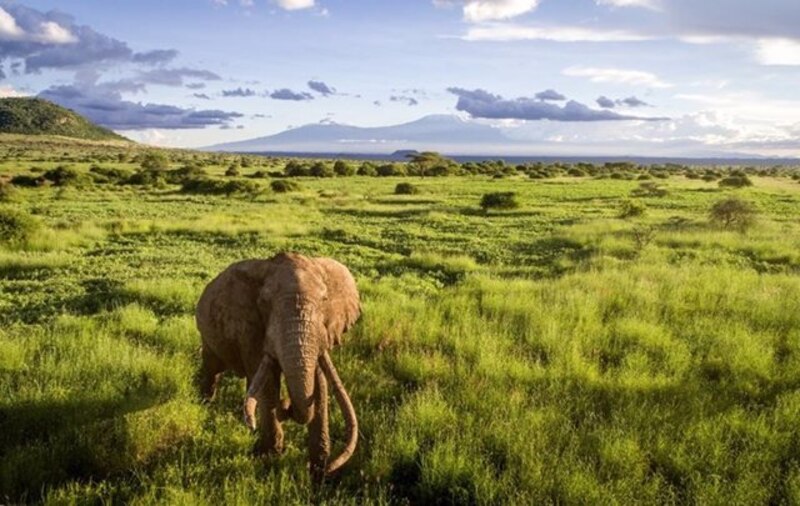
(770,51)
(614,75)
(155,57)
(239,92)
(107,108)
(490,10)
(549,95)
(321,88)
(9,91)
(176,77)
(287,94)
(607,103)
(53,40)
(405,99)
(502,32)
(482,104)
(294,5)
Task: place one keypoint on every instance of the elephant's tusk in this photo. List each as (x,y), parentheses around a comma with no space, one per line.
(351,422)
(251,402)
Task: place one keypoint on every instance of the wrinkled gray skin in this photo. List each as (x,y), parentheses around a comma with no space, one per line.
(264,318)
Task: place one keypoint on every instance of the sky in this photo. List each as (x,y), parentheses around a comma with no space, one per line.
(591,77)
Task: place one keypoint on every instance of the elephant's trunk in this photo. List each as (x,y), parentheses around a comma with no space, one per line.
(299,362)
(351,423)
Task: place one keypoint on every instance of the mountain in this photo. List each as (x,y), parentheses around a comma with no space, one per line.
(34,116)
(431,133)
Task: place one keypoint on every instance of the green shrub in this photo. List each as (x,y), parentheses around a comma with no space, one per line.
(499,200)
(733,213)
(154,160)
(147,177)
(66,176)
(735,181)
(391,169)
(208,186)
(342,168)
(405,189)
(108,174)
(367,169)
(233,171)
(296,169)
(649,189)
(284,186)
(28,180)
(15,227)
(632,209)
(321,169)
(7,192)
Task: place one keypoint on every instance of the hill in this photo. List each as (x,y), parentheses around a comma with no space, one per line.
(34,116)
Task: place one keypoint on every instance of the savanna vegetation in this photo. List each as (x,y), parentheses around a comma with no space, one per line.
(619,335)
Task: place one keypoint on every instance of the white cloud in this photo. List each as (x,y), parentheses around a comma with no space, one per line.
(507,32)
(49,32)
(612,75)
(53,33)
(476,11)
(9,30)
(647,4)
(8,91)
(778,52)
(294,5)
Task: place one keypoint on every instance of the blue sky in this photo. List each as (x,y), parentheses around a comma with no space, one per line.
(661,77)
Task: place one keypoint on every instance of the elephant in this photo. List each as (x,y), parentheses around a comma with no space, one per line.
(265,317)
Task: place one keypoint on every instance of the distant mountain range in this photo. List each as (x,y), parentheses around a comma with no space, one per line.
(34,116)
(441,133)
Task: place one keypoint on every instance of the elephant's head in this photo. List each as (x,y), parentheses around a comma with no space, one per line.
(307,304)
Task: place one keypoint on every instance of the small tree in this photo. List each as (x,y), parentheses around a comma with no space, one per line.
(733,213)
(342,168)
(631,209)
(233,171)
(154,160)
(735,181)
(499,200)
(321,169)
(15,227)
(367,169)
(405,189)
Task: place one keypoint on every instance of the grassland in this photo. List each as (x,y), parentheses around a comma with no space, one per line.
(553,353)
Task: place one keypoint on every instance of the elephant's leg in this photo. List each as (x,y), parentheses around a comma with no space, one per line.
(210,371)
(319,443)
(271,433)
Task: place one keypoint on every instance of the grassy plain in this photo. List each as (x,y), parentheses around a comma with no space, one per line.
(554,353)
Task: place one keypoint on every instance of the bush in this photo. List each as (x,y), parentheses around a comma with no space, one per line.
(367,169)
(391,169)
(342,168)
(296,169)
(649,189)
(15,227)
(207,186)
(499,200)
(321,169)
(28,180)
(148,177)
(178,176)
(632,209)
(65,176)
(405,189)
(733,213)
(154,160)
(284,186)
(735,181)
(233,171)
(109,175)
(7,192)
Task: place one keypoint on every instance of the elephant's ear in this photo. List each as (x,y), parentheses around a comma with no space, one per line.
(268,285)
(344,306)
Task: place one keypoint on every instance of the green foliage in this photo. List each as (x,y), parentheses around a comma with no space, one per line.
(34,116)
(367,169)
(284,186)
(499,200)
(733,213)
(208,186)
(342,168)
(650,189)
(154,160)
(66,176)
(233,171)
(109,174)
(321,169)
(632,208)
(735,181)
(405,189)
(7,192)
(16,228)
